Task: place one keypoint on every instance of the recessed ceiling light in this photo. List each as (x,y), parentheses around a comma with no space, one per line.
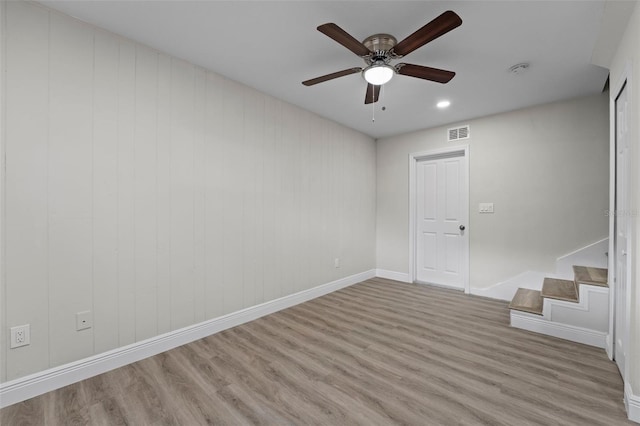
(443,104)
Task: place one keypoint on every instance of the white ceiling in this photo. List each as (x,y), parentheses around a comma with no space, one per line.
(274,46)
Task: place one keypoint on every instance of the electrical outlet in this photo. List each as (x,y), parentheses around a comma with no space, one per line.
(20,336)
(336,262)
(84,320)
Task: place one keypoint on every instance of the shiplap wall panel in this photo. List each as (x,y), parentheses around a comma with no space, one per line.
(125,177)
(26,258)
(306,170)
(163,193)
(145,196)
(105,191)
(269,244)
(253,205)
(199,195)
(288,181)
(157,194)
(231,151)
(214,184)
(70,187)
(182,193)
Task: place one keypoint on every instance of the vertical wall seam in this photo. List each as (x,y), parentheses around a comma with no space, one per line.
(117,179)
(134,185)
(193,171)
(169,239)
(157,197)
(93,195)
(48,202)
(3,177)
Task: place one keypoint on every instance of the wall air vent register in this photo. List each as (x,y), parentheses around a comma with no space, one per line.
(458,133)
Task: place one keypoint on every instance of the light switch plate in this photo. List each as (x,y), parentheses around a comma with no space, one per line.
(486,208)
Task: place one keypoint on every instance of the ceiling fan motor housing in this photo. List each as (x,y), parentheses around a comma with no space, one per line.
(380,44)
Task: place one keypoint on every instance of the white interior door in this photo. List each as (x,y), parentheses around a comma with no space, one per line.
(621,227)
(442,211)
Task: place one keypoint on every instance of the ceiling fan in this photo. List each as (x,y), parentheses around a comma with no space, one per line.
(379,50)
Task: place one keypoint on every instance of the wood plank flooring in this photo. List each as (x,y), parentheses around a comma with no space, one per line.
(377,353)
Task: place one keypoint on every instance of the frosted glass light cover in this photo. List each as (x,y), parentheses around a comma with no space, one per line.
(378,74)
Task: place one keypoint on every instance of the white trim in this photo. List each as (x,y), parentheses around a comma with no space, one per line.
(393,275)
(632,404)
(57,377)
(413,159)
(612,207)
(617,85)
(577,251)
(538,324)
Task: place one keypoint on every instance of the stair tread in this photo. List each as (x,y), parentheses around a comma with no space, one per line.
(590,276)
(559,289)
(527,301)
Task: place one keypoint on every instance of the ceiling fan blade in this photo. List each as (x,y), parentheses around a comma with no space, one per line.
(331,76)
(434,29)
(426,73)
(373,92)
(333,31)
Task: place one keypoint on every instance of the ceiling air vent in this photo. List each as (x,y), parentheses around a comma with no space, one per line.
(458,133)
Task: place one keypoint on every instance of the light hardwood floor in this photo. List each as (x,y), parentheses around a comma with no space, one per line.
(380,352)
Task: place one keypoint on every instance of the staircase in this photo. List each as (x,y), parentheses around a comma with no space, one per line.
(575,310)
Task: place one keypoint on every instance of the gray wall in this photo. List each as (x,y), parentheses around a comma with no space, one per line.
(546,169)
(157,194)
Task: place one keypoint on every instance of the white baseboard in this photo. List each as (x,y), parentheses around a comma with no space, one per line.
(632,403)
(392,275)
(54,378)
(540,325)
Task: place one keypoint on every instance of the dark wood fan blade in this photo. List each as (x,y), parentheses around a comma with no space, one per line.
(426,73)
(333,31)
(331,76)
(373,92)
(434,29)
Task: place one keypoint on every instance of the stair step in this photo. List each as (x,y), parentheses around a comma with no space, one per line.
(560,289)
(527,301)
(590,276)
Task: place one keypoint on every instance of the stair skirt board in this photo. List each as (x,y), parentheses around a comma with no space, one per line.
(538,324)
(632,403)
(41,382)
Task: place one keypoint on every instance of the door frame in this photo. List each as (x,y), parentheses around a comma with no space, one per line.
(413,162)
(623,81)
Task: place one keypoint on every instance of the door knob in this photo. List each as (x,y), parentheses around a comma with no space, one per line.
(462,228)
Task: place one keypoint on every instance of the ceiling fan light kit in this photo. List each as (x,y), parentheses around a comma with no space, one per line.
(379,50)
(378,74)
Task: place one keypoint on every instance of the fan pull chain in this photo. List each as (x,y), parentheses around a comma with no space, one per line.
(373,111)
